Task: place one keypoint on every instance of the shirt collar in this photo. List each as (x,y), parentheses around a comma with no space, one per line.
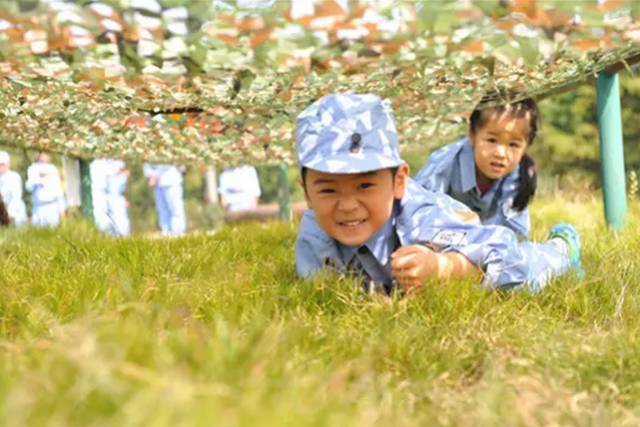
(378,244)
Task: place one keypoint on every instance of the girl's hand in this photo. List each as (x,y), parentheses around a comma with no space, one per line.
(412,265)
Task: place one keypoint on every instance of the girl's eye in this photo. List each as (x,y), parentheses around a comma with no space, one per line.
(491,140)
(514,145)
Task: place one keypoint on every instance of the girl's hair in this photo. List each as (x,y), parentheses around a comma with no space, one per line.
(4,215)
(528,177)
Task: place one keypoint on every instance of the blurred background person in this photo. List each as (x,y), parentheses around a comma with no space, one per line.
(47,197)
(239,188)
(11,191)
(166,181)
(108,186)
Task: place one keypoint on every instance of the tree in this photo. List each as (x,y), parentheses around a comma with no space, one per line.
(569,143)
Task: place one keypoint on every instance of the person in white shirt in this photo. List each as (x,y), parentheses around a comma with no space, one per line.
(47,196)
(11,191)
(108,185)
(239,188)
(166,181)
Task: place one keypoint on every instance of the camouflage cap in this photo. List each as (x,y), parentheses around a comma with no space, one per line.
(347,133)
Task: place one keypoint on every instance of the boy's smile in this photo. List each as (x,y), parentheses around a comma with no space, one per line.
(353,207)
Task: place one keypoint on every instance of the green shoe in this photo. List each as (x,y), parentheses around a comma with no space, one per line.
(569,234)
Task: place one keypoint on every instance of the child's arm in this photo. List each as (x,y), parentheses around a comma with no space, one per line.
(307,262)
(519,222)
(313,247)
(412,265)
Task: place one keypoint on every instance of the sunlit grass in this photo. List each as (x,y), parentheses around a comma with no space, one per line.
(216,330)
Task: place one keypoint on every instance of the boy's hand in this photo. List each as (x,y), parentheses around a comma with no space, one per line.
(412,265)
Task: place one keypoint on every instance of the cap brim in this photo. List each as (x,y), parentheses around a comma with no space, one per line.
(353,163)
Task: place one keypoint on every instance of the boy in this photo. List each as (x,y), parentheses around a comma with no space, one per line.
(367,217)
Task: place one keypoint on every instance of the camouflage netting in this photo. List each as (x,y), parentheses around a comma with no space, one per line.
(197,82)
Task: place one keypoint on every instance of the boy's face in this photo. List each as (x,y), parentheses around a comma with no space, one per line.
(353,207)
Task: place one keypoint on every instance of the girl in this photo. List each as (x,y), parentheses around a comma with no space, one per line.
(489,170)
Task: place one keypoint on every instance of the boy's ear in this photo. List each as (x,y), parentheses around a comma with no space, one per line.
(401,181)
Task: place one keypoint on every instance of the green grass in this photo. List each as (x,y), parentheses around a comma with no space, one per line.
(216,330)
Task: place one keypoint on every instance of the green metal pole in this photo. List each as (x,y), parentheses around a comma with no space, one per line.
(284,193)
(611,150)
(86,206)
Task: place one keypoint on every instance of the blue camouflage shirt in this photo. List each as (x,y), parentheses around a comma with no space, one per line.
(426,217)
(452,170)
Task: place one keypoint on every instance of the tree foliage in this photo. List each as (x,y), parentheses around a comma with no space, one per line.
(569,144)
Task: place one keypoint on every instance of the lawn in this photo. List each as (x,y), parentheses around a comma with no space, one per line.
(216,330)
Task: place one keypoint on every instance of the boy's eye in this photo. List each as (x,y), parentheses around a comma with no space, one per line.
(326,191)
(491,140)
(365,185)
(514,145)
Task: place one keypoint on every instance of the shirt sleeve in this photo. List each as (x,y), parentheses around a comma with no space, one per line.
(307,262)
(435,175)
(311,244)
(494,249)
(15,205)
(518,221)
(7,189)
(33,178)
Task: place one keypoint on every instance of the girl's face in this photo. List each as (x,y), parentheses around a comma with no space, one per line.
(498,145)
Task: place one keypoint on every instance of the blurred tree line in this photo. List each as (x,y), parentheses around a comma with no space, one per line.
(566,154)
(569,144)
